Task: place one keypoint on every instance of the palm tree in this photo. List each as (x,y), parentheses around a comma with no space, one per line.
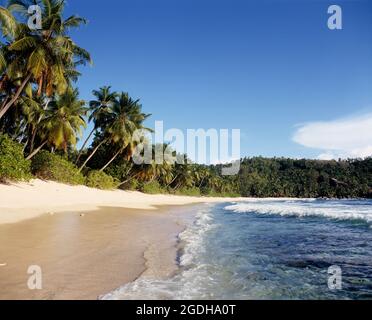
(146,172)
(201,175)
(47,57)
(34,110)
(124,118)
(128,118)
(165,173)
(63,123)
(183,176)
(99,111)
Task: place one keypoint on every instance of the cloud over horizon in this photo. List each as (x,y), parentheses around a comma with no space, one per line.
(341,138)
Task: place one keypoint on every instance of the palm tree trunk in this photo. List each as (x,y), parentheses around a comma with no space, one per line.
(4,102)
(35,129)
(32,144)
(201,182)
(174,179)
(36,151)
(25,145)
(91,155)
(85,143)
(16,96)
(112,159)
(177,187)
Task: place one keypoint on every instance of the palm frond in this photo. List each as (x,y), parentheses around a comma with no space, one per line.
(23,44)
(8,23)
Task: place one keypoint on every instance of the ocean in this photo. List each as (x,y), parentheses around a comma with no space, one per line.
(269,249)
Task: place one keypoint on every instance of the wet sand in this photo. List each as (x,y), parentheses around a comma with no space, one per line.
(83,256)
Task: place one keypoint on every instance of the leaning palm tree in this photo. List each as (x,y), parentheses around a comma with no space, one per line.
(128,118)
(100,108)
(125,117)
(183,176)
(165,173)
(47,57)
(34,110)
(63,123)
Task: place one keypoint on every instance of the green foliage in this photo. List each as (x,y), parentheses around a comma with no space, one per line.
(100,180)
(190,192)
(153,188)
(49,166)
(280,177)
(215,194)
(131,185)
(120,170)
(13,165)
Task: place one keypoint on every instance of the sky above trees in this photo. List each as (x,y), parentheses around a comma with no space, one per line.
(270,68)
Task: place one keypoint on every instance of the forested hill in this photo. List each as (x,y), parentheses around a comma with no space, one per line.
(279,177)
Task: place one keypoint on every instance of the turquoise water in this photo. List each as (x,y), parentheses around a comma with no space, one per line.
(269,249)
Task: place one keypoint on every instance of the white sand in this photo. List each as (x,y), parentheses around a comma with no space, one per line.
(24,201)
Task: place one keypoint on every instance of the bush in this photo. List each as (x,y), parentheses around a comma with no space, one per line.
(100,180)
(131,185)
(191,192)
(214,194)
(152,188)
(13,165)
(48,166)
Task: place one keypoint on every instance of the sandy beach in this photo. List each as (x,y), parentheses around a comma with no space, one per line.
(22,201)
(87,242)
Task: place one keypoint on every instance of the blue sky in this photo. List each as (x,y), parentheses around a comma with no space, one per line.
(269,68)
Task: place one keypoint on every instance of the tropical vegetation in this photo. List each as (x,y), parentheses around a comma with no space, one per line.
(42,119)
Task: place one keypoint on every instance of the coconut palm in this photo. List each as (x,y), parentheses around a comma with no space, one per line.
(63,123)
(123,119)
(165,173)
(127,117)
(47,57)
(183,176)
(99,111)
(34,110)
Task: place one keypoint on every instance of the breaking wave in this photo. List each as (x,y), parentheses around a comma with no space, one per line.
(194,274)
(332,209)
(251,250)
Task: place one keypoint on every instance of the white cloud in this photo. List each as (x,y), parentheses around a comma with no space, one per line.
(343,138)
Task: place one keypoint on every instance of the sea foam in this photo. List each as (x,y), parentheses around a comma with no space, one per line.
(191,278)
(332,209)
(250,250)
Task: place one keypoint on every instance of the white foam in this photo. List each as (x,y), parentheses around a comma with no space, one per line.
(184,285)
(201,279)
(328,209)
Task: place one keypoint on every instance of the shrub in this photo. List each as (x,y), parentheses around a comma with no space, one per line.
(152,188)
(131,185)
(191,192)
(48,166)
(13,165)
(100,180)
(214,194)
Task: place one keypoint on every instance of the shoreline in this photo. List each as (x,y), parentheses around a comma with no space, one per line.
(23,201)
(91,256)
(88,242)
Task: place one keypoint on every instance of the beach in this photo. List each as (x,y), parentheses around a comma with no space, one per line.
(116,245)
(87,242)
(22,201)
